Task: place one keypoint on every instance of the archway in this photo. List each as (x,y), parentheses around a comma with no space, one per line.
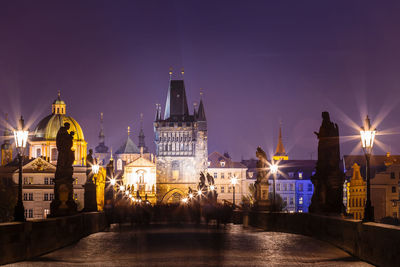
(173,196)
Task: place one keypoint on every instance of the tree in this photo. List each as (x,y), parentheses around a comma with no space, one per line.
(8,199)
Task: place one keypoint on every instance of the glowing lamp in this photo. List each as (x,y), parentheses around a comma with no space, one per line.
(95,168)
(184,200)
(122,188)
(367,136)
(112,181)
(212,187)
(273,168)
(234,180)
(199,192)
(20,136)
(190,195)
(126,192)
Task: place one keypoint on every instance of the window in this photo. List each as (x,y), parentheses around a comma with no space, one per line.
(25,196)
(30,197)
(215,175)
(52,181)
(393,189)
(392,175)
(54,154)
(28,180)
(119,164)
(229,189)
(30,213)
(284,187)
(291,174)
(291,186)
(51,196)
(46,197)
(208,163)
(300,175)
(75,196)
(38,152)
(310,187)
(229,175)
(291,200)
(46,180)
(222,163)
(222,189)
(300,200)
(300,187)
(222,175)
(278,187)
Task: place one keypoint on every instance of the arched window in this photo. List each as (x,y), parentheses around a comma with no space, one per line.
(54,154)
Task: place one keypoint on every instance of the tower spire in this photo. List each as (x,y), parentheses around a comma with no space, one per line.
(101,134)
(280,153)
(201,114)
(142,144)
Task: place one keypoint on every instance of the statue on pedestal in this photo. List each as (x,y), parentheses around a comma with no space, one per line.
(90,187)
(328,179)
(63,203)
(261,184)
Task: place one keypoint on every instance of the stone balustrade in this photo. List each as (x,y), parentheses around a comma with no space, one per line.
(22,241)
(376,243)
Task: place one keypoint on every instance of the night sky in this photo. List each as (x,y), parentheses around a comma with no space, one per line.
(259,63)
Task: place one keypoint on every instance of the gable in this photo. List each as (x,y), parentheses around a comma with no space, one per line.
(39,165)
(141,162)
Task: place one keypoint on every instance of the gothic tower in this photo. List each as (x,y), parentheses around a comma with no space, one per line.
(280,153)
(101,150)
(6,147)
(142,144)
(181,144)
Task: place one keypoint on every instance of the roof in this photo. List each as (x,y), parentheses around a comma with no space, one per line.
(128,147)
(280,150)
(48,127)
(101,148)
(215,159)
(201,115)
(176,105)
(378,163)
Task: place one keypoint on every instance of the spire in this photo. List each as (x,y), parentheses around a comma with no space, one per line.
(195,109)
(111,157)
(101,134)
(101,147)
(280,153)
(142,144)
(201,113)
(176,107)
(129,130)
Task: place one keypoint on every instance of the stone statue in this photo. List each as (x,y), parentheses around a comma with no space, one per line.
(261,184)
(89,163)
(63,203)
(210,179)
(328,179)
(64,143)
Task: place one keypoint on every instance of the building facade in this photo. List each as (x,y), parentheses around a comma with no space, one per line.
(356,194)
(181,144)
(38,185)
(223,169)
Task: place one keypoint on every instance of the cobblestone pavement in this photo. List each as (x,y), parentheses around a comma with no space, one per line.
(187,245)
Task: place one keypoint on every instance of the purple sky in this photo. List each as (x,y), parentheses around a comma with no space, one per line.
(259,62)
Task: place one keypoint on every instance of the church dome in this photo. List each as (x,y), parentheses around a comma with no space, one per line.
(48,127)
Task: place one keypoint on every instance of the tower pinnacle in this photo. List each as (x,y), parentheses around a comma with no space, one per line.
(280,153)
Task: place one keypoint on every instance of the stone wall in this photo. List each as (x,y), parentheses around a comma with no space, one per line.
(376,243)
(22,241)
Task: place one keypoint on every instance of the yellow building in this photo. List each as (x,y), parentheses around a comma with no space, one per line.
(356,194)
(140,176)
(43,143)
(100,181)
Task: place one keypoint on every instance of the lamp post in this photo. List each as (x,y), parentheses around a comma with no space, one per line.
(21,138)
(95,171)
(234,181)
(274,170)
(367,141)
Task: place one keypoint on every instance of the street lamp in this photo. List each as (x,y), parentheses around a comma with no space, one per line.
(21,138)
(212,187)
(367,142)
(273,168)
(234,181)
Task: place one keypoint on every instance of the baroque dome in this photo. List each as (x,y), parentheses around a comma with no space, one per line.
(48,127)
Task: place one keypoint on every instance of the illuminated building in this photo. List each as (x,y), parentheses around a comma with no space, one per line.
(223,168)
(43,143)
(356,194)
(136,169)
(6,147)
(181,144)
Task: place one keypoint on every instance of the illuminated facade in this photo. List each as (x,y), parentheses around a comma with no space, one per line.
(43,143)
(38,185)
(181,144)
(6,147)
(223,168)
(356,194)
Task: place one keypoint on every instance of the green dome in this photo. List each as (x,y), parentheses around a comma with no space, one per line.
(58,101)
(48,127)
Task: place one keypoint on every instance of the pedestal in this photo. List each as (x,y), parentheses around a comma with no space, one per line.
(63,203)
(90,197)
